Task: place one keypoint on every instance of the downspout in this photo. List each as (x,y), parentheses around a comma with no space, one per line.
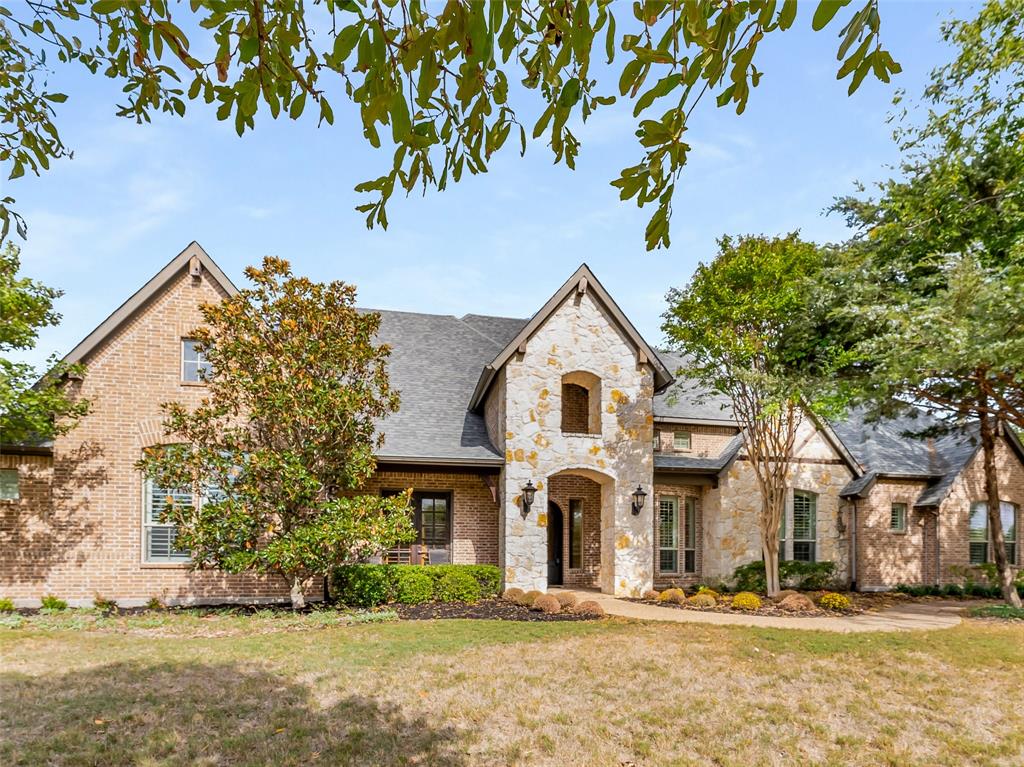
(938,551)
(853,545)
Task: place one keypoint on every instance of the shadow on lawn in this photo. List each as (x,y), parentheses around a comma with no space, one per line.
(199,714)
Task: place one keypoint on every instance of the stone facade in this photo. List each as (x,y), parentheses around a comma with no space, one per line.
(732,535)
(579,336)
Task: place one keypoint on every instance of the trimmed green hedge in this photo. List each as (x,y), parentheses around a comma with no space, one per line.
(372,585)
(811,576)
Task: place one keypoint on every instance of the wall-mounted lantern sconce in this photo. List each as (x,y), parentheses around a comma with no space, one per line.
(639,496)
(528,492)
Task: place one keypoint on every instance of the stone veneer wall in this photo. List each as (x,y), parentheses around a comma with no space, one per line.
(579,336)
(732,535)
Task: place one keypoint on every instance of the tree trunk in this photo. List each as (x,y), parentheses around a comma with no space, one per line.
(298,592)
(771,567)
(995,522)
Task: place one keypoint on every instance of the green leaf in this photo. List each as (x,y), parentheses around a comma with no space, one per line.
(346,42)
(104,7)
(826,11)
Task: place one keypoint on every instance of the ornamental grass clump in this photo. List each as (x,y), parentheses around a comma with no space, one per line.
(546,603)
(530,597)
(673,596)
(651,595)
(566,599)
(832,601)
(513,594)
(589,607)
(746,600)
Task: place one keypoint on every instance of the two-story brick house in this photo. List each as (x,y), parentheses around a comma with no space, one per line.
(635,479)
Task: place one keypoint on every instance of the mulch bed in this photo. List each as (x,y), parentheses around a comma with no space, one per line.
(486,609)
(767,608)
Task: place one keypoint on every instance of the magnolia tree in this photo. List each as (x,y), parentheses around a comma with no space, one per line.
(930,291)
(442,84)
(31,408)
(278,449)
(749,330)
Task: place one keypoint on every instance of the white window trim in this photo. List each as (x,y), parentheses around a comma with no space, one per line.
(791,524)
(989,545)
(147,488)
(689,502)
(689,441)
(200,360)
(678,520)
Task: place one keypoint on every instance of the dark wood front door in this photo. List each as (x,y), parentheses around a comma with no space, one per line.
(554,544)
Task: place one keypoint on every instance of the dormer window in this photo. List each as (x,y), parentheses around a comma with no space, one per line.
(195,368)
(681,440)
(581,403)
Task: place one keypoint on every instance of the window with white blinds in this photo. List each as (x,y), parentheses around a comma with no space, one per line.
(690,536)
(159,535)
(668,534)
(805,526)
(978,537)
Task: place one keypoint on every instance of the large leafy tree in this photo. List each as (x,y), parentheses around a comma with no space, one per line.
(286,436)
(435,78)
(931,287)
(31,408)
(750,329)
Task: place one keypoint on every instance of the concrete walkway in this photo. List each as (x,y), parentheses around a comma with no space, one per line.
(921,616)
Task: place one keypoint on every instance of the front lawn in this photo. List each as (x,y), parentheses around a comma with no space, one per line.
(188,689)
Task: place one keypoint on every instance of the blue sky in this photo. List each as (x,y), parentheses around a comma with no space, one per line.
(134,195)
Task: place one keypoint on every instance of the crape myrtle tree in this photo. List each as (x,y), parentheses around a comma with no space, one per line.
(931,287)
(434,80)
(278,448)
(749,328)
(32,408)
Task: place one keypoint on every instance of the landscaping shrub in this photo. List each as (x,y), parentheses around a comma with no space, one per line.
(530,596)
(709,591)
(513,594)
(650,595)
(1005,612)
(413,587)
(154,603)
(589,607)
(364,585)
(796,602)
(50,602)
(457,586)
(546,603)
(367,585)
(809,576)
(566,599)
(104,604)
(783,594)
(952,590)
(6,605)
(702,599)
(746,601)
(674,596)
(832,601)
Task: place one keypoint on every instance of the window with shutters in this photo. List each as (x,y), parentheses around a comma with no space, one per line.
(690,536)
(898,517)
(805,519)
(668,534)
(159,534)
(9,485)
(978,537)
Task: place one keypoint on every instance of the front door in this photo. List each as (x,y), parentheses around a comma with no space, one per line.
(554,544)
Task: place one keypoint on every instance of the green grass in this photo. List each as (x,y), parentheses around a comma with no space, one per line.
(1007,612)
(275,689)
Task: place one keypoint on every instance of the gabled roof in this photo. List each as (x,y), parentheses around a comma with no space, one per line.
(159,281)
(582,281)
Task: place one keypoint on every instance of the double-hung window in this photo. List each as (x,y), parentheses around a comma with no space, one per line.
(805,524)
(575,533)
(668,534)
(160,534)
(978,537)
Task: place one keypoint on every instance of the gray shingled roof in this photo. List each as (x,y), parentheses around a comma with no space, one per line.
(685,400)
(435,362)
(685,463)
(887,447)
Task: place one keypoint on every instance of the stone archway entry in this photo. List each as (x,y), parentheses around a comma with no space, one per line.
(555,526)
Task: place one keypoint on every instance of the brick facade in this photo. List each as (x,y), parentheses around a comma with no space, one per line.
(886,557)
(665,487)
(705,441)
(561,490)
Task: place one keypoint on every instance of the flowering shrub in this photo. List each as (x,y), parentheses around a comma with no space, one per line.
(746,601)
(832,601)
(709,591)
(702,599)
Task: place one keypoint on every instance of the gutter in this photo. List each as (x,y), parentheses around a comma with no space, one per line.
(853,544)
(413,460)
